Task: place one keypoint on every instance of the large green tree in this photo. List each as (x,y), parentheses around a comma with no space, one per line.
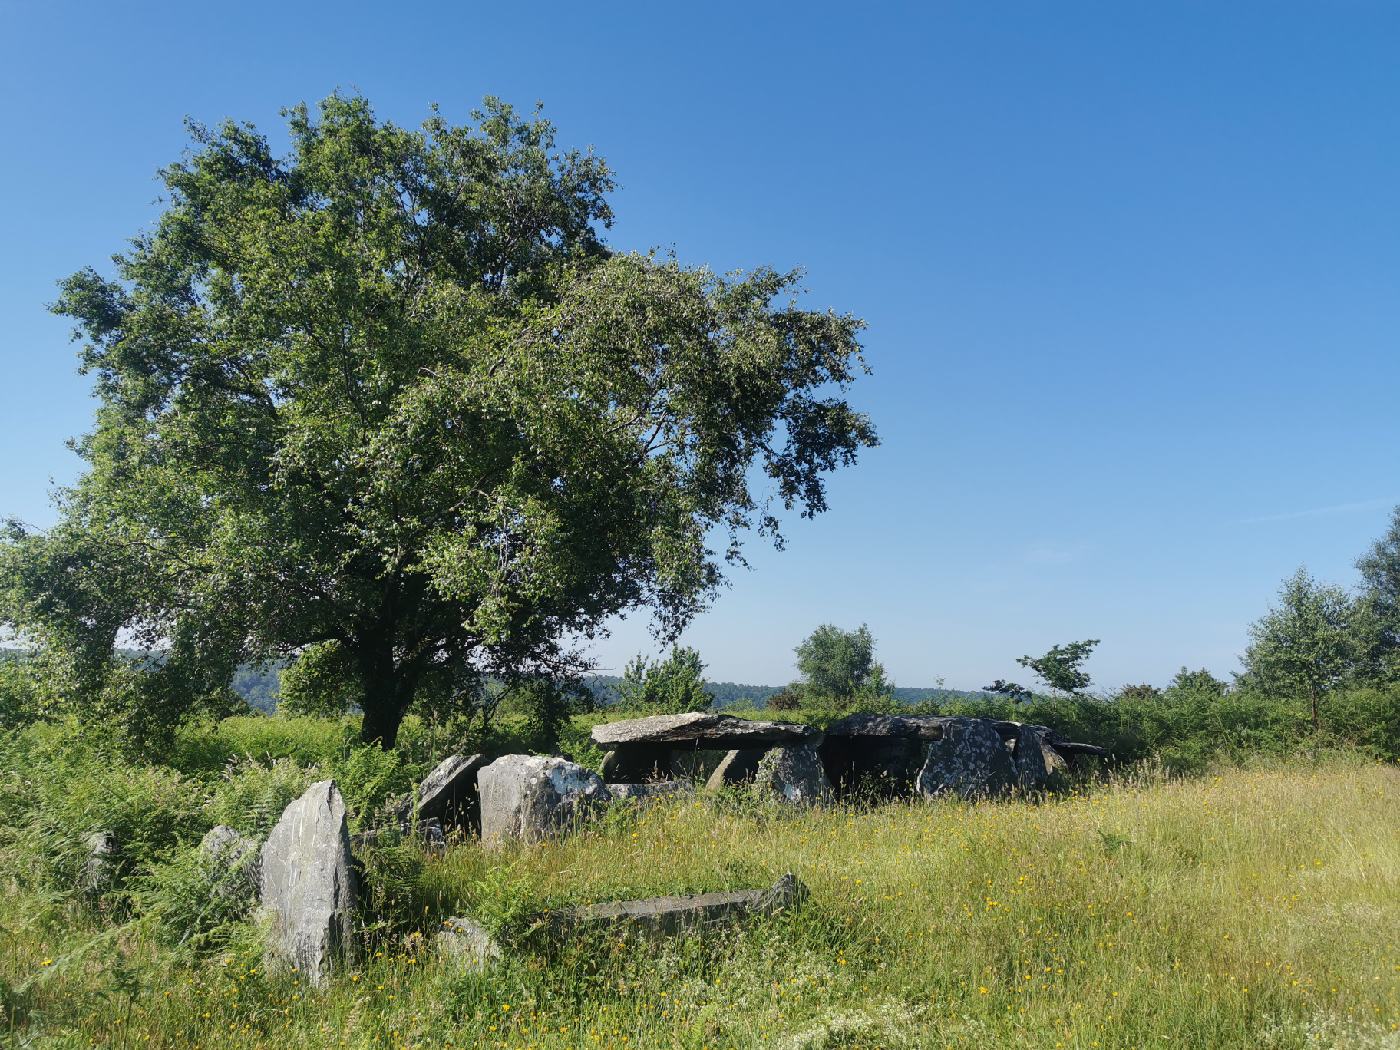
(389,406)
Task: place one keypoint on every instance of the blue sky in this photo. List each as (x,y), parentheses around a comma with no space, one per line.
(1130,272)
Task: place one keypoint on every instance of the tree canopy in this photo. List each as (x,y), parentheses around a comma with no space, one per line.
(389,406)
(1062,667)
(838,665)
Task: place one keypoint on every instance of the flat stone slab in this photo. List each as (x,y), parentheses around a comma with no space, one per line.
(702,729)
(668,915)
(468,943)
(919,727)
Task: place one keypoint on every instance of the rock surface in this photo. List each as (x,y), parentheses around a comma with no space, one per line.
(307,884)
(469,944)
(970,761)
(530,797)
(922,727)
(794,775)
(663,915)
(702,729)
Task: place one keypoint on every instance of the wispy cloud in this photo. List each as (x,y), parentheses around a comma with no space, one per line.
(1320,512)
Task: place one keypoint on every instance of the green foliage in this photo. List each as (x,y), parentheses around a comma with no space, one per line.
(1308,645)
(839,666)
(190,901)
(1062,667)
(1201,681)
(252,793)
(670,686)
(1010,690)
(387,405)
(58,787)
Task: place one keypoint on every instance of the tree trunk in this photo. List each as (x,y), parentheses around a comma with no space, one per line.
(1317,723)
(384,687)
(381,720)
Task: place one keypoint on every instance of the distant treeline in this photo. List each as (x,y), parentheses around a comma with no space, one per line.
(258,685)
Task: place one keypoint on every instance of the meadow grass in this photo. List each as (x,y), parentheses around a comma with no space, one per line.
(1257,907)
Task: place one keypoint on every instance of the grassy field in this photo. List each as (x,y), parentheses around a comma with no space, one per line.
(1254,908)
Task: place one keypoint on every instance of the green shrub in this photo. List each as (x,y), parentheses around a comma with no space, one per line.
(252,794)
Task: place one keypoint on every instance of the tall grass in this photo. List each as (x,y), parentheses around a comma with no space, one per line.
(1257,907)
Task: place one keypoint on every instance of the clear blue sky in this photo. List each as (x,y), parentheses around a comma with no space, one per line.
(1130,269)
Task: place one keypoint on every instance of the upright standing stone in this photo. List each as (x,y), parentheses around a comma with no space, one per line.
(793,775)
(307,883)
(970,761)
(530,797)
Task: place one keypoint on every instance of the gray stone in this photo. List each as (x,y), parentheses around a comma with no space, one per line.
(794,775)
(469,944)
(653,789)
(970,761)
(307,884)
(736,767)
(99,871)
(1035,758)
(531,797)
(448,794)
(702,729)
(231,859)
(667,915)
(921,727)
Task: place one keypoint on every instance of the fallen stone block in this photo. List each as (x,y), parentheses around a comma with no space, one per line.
(307,884)
(669,915)
(531,797)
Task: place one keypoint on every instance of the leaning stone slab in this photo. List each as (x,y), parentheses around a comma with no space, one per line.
(468,943)
(1034,757)
(793,775)
(736,767)
(448,794)
(970,761)
(702,729)
(668,915)
(307,884)
(654,789)
(531,797)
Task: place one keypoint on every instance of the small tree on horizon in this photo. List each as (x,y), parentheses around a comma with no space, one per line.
(674,685)
(840,665)
(1307,645)
(1061,668)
